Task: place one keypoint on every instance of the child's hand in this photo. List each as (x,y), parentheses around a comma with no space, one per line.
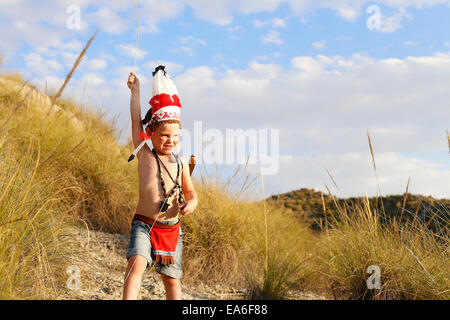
(133,82)
(188,208)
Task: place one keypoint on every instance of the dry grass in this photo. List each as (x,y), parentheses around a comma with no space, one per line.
(413,259)
(81,148)
(52,168)
(226,240)
(32,215)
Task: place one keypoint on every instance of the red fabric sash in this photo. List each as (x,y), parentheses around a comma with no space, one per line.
(163,237)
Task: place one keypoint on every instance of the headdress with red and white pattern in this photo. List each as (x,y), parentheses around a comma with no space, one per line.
(165,104)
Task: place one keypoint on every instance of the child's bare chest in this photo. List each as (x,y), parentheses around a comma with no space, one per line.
(150,174)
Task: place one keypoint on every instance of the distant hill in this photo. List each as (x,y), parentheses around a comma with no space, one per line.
(310,208)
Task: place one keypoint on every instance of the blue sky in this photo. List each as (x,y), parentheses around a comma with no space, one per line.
(312,69)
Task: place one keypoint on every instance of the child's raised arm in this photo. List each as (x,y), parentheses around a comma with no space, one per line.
(135,109)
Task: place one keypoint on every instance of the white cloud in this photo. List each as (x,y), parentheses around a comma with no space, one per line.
(43,23)
(130,50)
(393,23)
(188,44)
(93,79)
(234,28)
(73,45)
(352,9)
(109,21)
(324,106)
(319,45)
(218,57)
(410,43)
(277,55)
(354,174)
(259,24)
(53,64)
(348,13)
(152,12)
(274,23)
(222,12)
(97,64)
(307,64)
(192,41)
(184,49)
(278,23)
(47,51)
(33,24)
(272,37)
(106,56)
(36,63)
(69,58)
(55,58)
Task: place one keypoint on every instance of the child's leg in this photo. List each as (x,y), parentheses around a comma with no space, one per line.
(172,286)
(133,275)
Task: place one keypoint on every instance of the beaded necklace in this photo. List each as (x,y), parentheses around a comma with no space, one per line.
(177,187)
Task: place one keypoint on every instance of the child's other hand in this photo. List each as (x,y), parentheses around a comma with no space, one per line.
(133,82)
(188,208)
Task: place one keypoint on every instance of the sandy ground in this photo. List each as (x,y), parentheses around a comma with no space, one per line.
(100,257)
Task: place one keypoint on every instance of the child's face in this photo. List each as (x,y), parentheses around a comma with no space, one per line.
(166,137)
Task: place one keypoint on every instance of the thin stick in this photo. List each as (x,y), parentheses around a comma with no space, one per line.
(404,200)
(332,179)
(333,197)
(77,62)
(376,175)
(137,39)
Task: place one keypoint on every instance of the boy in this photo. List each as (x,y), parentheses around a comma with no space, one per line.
(155,233)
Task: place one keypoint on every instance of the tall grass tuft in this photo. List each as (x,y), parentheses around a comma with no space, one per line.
(288,258)
(412,254)
(413,260)
(80,147)
(278,265)
(30,222)
(225,240)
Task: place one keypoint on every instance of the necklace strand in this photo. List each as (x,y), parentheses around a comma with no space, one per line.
(177,187)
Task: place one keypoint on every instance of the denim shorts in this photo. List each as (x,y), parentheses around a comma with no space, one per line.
(140,244)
